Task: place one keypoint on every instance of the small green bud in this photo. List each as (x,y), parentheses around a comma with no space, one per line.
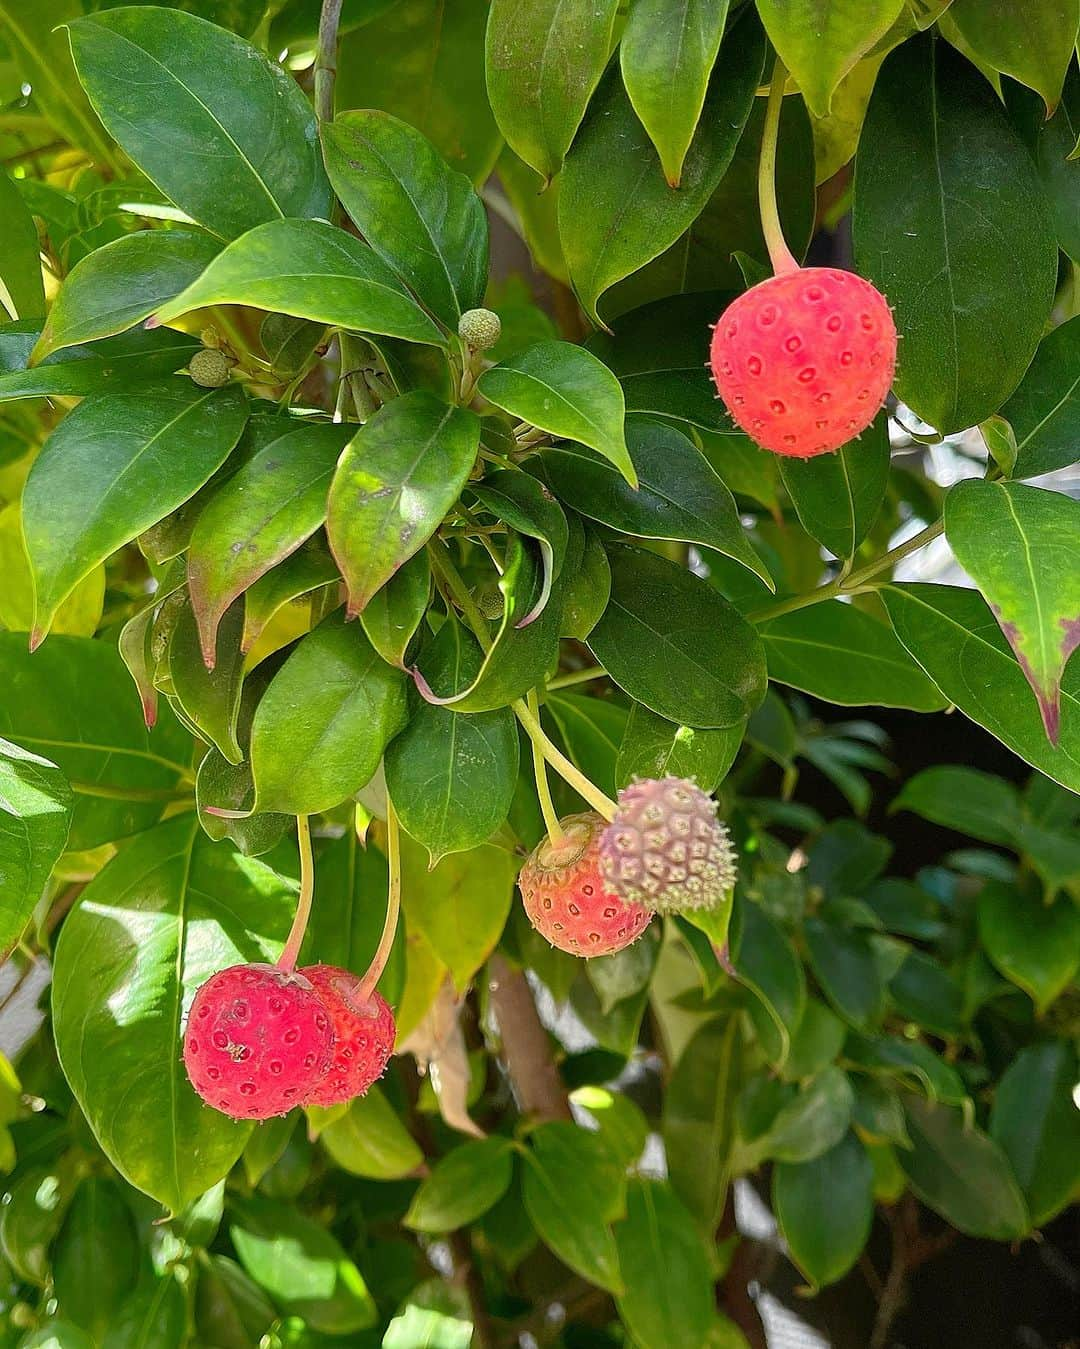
(479,328)
(209,368)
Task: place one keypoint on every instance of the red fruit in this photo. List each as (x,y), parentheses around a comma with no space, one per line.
(364,1034)
(258,1040)
(804,360)
(566,898)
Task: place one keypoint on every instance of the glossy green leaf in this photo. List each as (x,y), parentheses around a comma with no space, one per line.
(118,364)
(22,292)
(935,124)
(123,283)
(309,568)
(423,219)
(462,1186)
(910,1062)
(825,1208)
(1044,412)
(524,504)
(1036,1124)
(843,964)
(667,53)
(1034,44)
(670,641)
(653,747)
(565,390)
(333,677)
(266,510)
(167,912)
(573,1191)
(96,1256)
(312,270)
(925,993)
(543,62)
(156,1313)
(961,1173)
(1055,147)
(956,639)
(451,777)
(668,1298)
(589,730)
(35,816)
(616,211)
(209,698)
(698,1124)
(765,961)
(301,1265)
(838,496)
(178,93)
(34,1207)
(819,43)
(813,1121)
(1033,944)
(111,469)
(370,1140)
(398,477)
(815,1042)
(1021,547)
(230,1309)
(841,654)
(585,580)
(679,496)
(964,799)
(394,613)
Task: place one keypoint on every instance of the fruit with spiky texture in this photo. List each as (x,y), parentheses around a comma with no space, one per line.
(665,849)
(566,898)
(210,368)
(803,361)
(364,1034)
(479,329)
(258,1041)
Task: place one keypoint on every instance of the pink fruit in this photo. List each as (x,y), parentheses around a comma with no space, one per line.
(804,360)
(566,898)
(258,1040)
(364,1034)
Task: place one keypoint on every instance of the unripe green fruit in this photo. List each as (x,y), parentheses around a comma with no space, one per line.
(480,328)
(209,368)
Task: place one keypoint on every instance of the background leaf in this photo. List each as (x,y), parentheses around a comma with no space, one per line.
(825,1208)
(838,496)
(22,291)
(1045,410)
(35,815)
(1034,944)
(1035,46)
(1036,1124)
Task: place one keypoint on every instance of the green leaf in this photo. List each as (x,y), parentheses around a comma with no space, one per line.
(616,211)
(209,698)
(924,992)
(230,1310)
(765,961)
(180,94)
(909,1061)
(394,613)
(1044,412)
(671,642)
(819,43)
(119,364)
(967,337)
(667,54)
(451,777)
(72,702)
(964,799)
(262,514)
(22,291)
(812,1122)
(311,270)
(156,1313)
(112,468)
(565,390)
(960,1173)
(653,747)
(461,905)
(397,478)
(825,1208)
(35,816)
(168,911)
(309,568)
(573,1191)
(956,639)
(96,1256)
(844,965)
(301,1266)
(1054,143)
(1036,1124)
(1034,945)
(589,729)
(837,652)
(678,496)
(815,1042)
(585,580)
(370,1140)
(1034,45)
(123,283)
(543,62)
(838,496)
(524,504)
(669,1296)
(423,219)
(462,1186)
(1021,547)
(335,679)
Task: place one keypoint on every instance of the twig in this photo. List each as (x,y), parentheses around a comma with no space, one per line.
(526,1046)
(326,60)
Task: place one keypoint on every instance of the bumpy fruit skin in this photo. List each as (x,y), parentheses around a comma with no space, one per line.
(364,1034)
(804,360)
(665,849)
(210,368)
(258,1040)
(479,328)
(566,898)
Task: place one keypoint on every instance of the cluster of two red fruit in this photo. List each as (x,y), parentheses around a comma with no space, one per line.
(261,1040)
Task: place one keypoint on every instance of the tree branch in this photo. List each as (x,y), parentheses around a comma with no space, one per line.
(526,1047)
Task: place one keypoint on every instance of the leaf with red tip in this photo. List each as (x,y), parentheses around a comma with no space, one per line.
(1021,546)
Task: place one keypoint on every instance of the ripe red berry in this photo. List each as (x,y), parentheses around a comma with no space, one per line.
(566,898)
(258,1040)
(804,360)
(364,1034)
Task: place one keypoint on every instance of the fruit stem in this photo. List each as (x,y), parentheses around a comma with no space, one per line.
(326,59)
(393,906)
(593,795)
(779,254)
(543,788)
(571,677)
(289,955)
(443,566)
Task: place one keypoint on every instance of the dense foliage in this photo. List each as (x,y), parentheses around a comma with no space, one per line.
(277,542)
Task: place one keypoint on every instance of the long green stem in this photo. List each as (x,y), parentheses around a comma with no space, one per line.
(570,773)
(779,253)
(571,677)
(543,788)
(107,793)
(443,565)
(393,906)
(295,939)
(326,59)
